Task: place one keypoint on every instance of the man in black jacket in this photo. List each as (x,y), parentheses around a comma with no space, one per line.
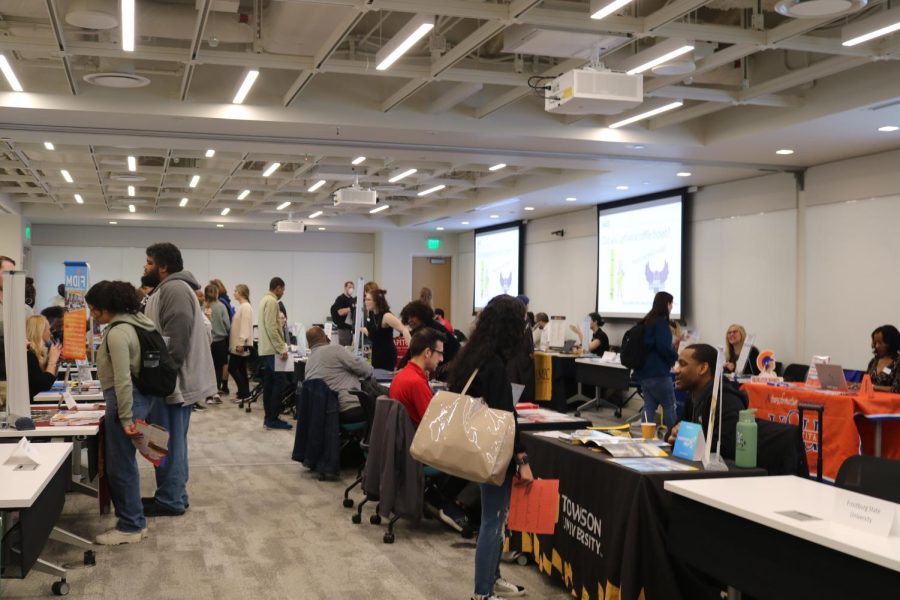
(695,372)
(343,308)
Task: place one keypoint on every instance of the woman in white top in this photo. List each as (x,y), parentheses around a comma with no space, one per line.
(240,341)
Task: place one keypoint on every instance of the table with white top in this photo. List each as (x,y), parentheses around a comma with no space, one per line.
(736,531)
(75,434)
(37,496)
(55,397)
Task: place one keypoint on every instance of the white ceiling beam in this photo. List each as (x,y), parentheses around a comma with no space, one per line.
(469,44)
(454,96)
(518,93)
(690,92)
(196,41)
(410,88)
(59,35)
(711,62)
(670,12)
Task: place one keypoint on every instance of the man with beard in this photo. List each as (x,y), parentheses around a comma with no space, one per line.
(173,306)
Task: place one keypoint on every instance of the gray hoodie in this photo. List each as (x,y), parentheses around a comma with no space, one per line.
(173,306)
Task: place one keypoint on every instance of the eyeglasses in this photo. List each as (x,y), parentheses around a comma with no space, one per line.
(436,351)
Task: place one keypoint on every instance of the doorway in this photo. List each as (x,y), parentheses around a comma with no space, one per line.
(434,272)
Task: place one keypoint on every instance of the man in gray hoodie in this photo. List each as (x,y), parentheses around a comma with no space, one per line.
(173,306)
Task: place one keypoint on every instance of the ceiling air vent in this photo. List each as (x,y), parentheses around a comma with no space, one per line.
(817,9)
(116,80)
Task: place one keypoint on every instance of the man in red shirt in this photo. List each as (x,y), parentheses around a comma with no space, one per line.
(410,386)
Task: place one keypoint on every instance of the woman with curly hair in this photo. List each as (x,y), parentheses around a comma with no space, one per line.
(496,339)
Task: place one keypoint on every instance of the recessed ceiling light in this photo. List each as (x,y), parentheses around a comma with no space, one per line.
(497,167)
(49,146)
(402,175)
(321,229)
(194,181)
(248,82)
(318,213)
(65,175)
(316,186)
(131,208)
(621,188)
(683,174)
(113,222)
(647,114)
(413,31)
(431,190)
(784,151)
(439,228)
(359,160)
(378,209)
(210,153)
(243,194)
(9,74)
(529,208)
(183,202)
(884,129)
(225,211)
(571,199)
(220,225)
(282,206)
(132,164)
(271,169)
(79,199)
(463,222)
(495,216)
(131,191)
(128,25)
(604,8)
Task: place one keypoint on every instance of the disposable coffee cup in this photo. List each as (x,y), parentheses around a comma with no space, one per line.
(648,430)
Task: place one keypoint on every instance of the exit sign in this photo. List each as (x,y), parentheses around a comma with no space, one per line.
(434,244)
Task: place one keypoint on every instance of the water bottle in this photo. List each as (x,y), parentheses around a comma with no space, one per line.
(745,443)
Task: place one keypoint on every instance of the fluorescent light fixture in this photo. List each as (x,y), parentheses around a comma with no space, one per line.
(439,228)
(529,208)
(219,225)
(271,169)
(495,216)
(655,55)
(603,8)
(225,212)
(210,153)
(79,199)
(888,128)
(359,160)
(128,25)
(321,229)
(9,74)
(784,151)
(131,191)
(194,181)
(113,222)
(463,222)
(131,208)
(282,206)
(621,188)
(316,186)
(879,24)
(402,175)
(378,209)
(497,167)
(65,174)
(571,199)
(248,82)
(243,194)
(318,213)
(49,146)
(132,164)
(431,190)
(414,30)
(183,203)
(646,114)
(683,173)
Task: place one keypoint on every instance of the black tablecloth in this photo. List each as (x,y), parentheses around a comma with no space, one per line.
(610,540)
(563,382)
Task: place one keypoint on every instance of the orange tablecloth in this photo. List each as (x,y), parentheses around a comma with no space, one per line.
(849,426)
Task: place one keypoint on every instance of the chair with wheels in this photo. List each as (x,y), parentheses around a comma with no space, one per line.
(795,372)
(872,476)
(367,403)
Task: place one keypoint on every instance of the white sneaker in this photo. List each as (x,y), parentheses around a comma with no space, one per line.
(484,597)
(217,399)
(505,589)
(115,537)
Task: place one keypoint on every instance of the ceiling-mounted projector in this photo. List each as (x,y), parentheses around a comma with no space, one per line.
(355,195)
(289,227)
(593,92)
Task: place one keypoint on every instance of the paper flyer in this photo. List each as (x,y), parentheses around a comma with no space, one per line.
(153,443)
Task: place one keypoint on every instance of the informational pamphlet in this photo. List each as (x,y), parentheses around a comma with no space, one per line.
(153,443)
(652,465)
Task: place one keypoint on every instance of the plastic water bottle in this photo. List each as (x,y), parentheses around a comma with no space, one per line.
(745,443)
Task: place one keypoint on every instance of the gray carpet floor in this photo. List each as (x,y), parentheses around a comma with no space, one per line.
(260,526)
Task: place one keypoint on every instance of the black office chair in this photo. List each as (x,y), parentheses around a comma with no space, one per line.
(795,372)
(367,403)
(872,476)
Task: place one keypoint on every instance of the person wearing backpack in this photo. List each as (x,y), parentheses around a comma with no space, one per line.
(653,374)
(116,305)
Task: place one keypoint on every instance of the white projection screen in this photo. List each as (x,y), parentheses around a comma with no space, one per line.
(640,253)
(498,262)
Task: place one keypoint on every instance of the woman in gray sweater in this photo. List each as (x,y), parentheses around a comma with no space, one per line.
(221,325)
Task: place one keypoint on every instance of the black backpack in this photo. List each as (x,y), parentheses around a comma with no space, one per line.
(634,351)
(158,374)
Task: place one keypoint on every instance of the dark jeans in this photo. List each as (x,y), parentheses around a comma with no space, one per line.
(220,359)
(172,473)
(272,385)
(237,368)
(121,466)
(352,415)
(494,509)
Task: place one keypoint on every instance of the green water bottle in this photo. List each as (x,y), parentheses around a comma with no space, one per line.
(745,444)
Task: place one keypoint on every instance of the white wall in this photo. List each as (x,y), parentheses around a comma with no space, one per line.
(12,237)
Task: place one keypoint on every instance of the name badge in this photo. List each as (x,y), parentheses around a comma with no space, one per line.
(886,370)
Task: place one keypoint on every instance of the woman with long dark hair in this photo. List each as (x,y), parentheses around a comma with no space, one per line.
(380,326)
(496,339)
(884,368)
(654,376)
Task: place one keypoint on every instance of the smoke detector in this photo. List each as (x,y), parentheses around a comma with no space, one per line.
(116,80)
(817,9)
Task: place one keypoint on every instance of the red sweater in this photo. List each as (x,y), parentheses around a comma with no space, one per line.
(410,388)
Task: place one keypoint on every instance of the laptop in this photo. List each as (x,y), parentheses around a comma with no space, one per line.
(568,346)
(831,377)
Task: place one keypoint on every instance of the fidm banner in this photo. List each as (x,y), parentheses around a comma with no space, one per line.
(76,317)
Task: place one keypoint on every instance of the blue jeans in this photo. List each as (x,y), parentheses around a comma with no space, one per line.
(272,386)
(494,508)
(122,475)
(659,391)
(172,474)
